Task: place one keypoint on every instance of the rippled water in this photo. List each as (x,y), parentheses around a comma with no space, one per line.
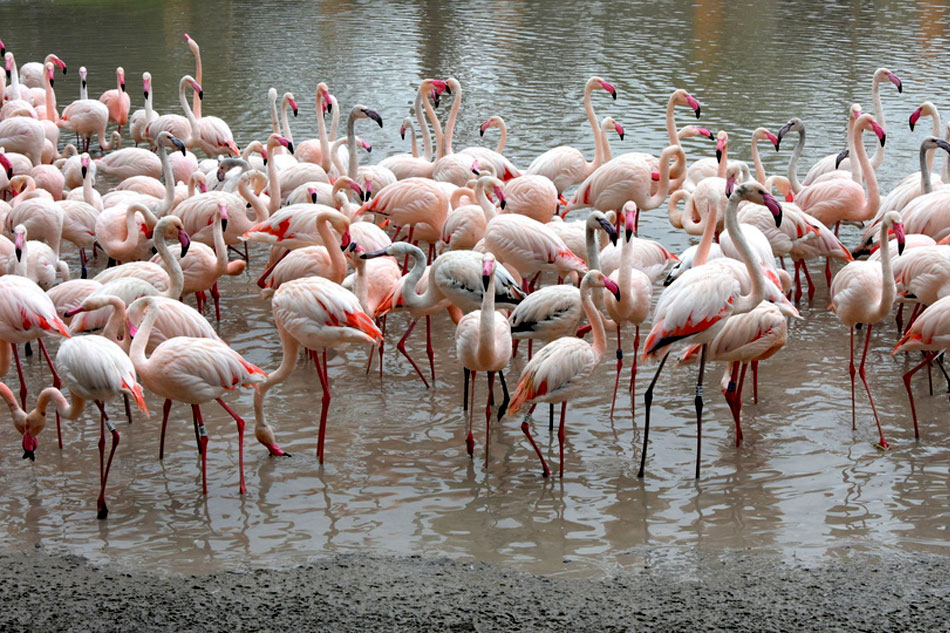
(397,478)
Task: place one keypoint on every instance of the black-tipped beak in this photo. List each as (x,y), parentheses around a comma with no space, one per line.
(10,173)
(18,252)
(610,229)
(30,455)
(83,82)
(52,82)
(481,132)
(313,198)
(718,155)
(485,280)
(8,76)
(177,142)
(83,171)
(350,247)
(372,114)
(840,157)
(883,138)
(329,107)
(699,110)
(502,203)
(628,233)
(201,94)
(122,85)
(402,133)
(146,94)
(290,148)
(620,134)
(781,133)
(900,247)
(944,145)
(224,224)
(380,253)
(295,112)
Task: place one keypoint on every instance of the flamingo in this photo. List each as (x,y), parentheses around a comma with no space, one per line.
(707,167)
(560,370)
(465,225)
(196,51)
(633,303)
(35,260)
(529,247)
(195,371)
(417,203)
(533,196)
(31,73)
(564,165)
(317,150)
(29,425)
(483,343)
(117,100)
(96,368)
(317,314)
(86,117)
(24,135)
(494,158)
(181,127)
(695,306)
(407,165)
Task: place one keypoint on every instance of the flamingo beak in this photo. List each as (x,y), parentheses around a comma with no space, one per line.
(782,132)
(372,114)
(942,144)
(184,240)
(894,79)
(224,217)
(901,237)
(488,269)
(329,102)
(345,239)
(402,132)
(841,156)
(293,107)
(619,129)
(914,116)
(612,286)
(475,167)
(313,195)
(705,132)
(366,145)
(609,87)
(628,228)
(380,253)
(879,131)
(774,139)
(730,184)
(29,446)
(774,206)
(179,144)
(694,104)
(610,229)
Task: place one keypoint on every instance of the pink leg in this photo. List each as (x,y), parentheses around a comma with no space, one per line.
(527,431)
(217,301)
(102,511)
(560,437)
(240,427)
(56,383)
(899,318)
(811,284)
(755,382)
(19,371)
(488,405)
(613,400)
(530,348)
(401,346)
(382,343)
(734,400)
(262,280)
(429,352)
(913,316)
(798,280)
(851,371)
(202,446)
(161,445)
(910,394)
(882,443)
(323,373)
(470,438)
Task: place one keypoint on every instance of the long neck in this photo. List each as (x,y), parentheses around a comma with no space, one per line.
(672,152)
(946,159)
(285,122)
(412,142)
(192,120)
(168,201)
(335,155)
(51,114)
(888,289)
(450,124)
(723,161)
(595,130)
(596,321)
(115,326)
(139,343)
(878,156)
(149,112)
(83,90)
(431,295)
(793,161)
(53,396)
(709,233)
(332,244)
(87,193)
(484,202)
(22,265)
(873,199)
(273,180)
(436,128)
(353,165)
(272,100)
(196,51)
(220,248)
(606,154)
(671,121)
(172,265)
(925,160)
(18,414)
(854,139)
(131,228)
(322,134)
(486,323)
(503,139)
(423,128)
(592,240)
(334,119)
(756,160)
(748,302)
(260,211)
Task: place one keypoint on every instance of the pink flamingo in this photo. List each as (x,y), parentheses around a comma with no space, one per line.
(24,135)
(533,196)
(632,305)
(465,225)
(196,371)
(530,247)
(181,127)
(628,178)
(483,343)
(560,370)
(196,51)
(417,203)
(408,165)
(96,368)
(31,73)
(864,292)
(317,150)
(141,118)
(29,425)
(695,306)
(564,165)
(317,314)
(117,100)
(493,157)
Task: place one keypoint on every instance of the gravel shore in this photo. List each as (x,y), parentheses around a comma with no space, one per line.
(721,591)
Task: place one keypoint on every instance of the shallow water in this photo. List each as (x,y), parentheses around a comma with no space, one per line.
(397,478)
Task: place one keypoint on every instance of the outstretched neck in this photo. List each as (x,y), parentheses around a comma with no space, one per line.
(486,323)
(888,289)
(595,319)
(793,161)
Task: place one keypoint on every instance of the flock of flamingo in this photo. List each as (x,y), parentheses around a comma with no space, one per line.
(464,232)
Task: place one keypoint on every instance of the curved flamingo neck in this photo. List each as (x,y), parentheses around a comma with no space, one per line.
(192,118)
(481,196)
(592,241)
(244,188)
(322,132)
(332,244)
(53,396)
(220,248)
(709,233)
(284,120)
(423,128)
(888,289)
(671,152)
(335,155)
(51,114)
(503,130)
(412,141)
(873,198)
(747,302)
(878,158)
(793,161)
(115,326)
(926,157)
(410,295)
(486,324)
(436,129)
(272,102)
(594,317)
(453,115)
(594,127)
(273,178)
(172,265)
(140,341)
(196,51)
(353,164)
(724,160)
(169,176)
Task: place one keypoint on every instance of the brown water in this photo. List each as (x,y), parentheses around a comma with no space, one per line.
(397,479)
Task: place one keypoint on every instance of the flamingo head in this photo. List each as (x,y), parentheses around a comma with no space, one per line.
(293,105)
(500,194)
(914,116)
(703,131)
(312,192)
(19,240)
(608,227)
(223,212)
(484,126)
(176,142)
(56,60)
(345,239)
(488,269)
(898,228)
(367,191)
(84,165)
(794,125)
(942,144)
(8,64)
(841,156)
(611,286)
(609,87)
(619,128)
(894,79)
(774,206)
(7,165)
(280,140)
(372,114)
(722,141)
(184,240)
(439,86)
(51,73)
(196,87)
(82,77)
(630,215)
(29,446)
(879,132)
(475,167)
(402,131)
(371,255)
(120,75)
(3,49)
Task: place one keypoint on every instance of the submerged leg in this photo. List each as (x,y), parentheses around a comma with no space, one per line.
(734,399)
(488,406)
(910,393)
(526,429)
(401,346)
(102,511)
(323,373)
(161,445)
(465,376)
(882,443)
(698,401)
(202,446)
(429,352)
(470,438)
(560,438)
(613,399)
(240,428)
(851,371)
(505,396)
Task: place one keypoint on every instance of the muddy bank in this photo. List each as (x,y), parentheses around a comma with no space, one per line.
(732,591)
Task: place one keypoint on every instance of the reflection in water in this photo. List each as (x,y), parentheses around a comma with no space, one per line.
(397,478)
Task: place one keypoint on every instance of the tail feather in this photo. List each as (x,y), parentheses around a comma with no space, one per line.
(135,390)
